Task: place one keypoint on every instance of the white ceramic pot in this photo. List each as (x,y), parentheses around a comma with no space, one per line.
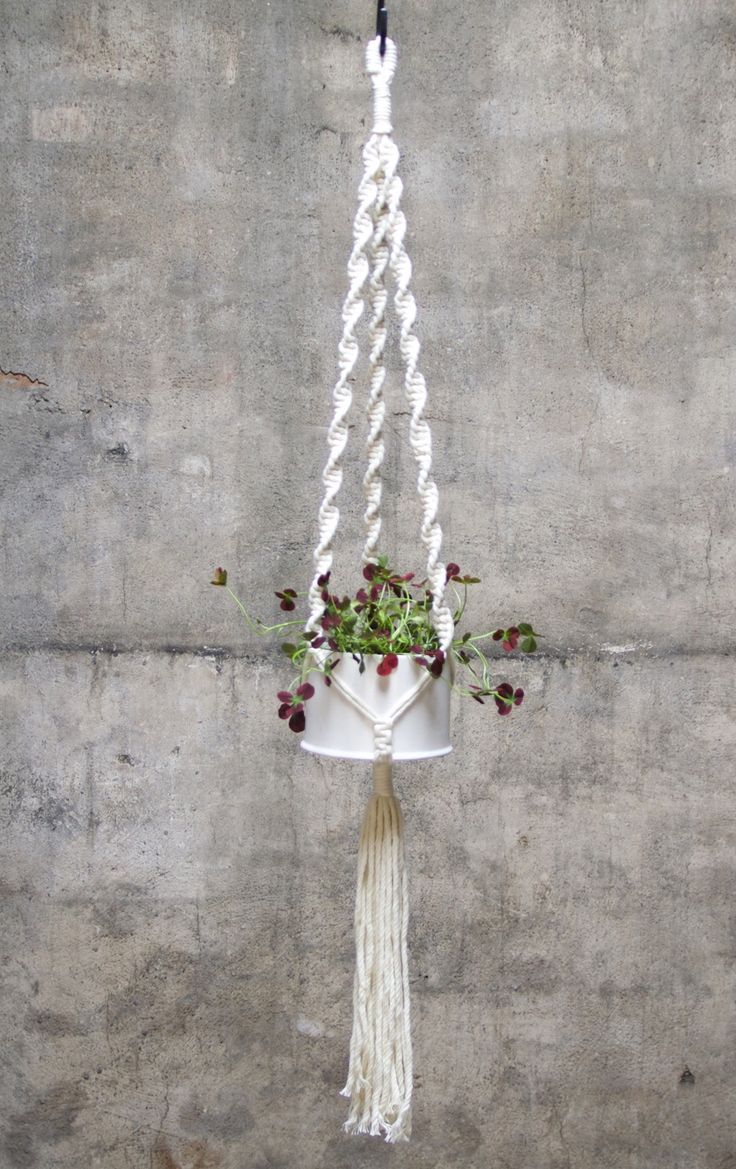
(335,727)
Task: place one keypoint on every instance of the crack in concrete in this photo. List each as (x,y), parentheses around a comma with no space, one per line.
(428,417)
(11,377)
(563,1143)
(342,34)
(708,549)
(159,1146)
(583,303)
(198,928)
(45,404)
(586,337)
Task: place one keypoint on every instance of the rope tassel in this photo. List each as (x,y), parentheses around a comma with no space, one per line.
(379,1081)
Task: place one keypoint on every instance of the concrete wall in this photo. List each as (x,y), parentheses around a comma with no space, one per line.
(178,183)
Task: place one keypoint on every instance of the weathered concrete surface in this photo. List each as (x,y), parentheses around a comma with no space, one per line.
(179,917)
(178,181)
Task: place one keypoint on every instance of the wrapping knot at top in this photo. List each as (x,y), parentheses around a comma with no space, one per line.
(382,780)
(381,70)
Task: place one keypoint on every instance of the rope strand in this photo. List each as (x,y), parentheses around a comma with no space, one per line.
(337,435)
(420,435)
(376,407)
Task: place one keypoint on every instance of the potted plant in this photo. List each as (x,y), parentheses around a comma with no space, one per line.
(380,643)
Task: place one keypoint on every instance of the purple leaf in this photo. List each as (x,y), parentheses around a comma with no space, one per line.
(298,721)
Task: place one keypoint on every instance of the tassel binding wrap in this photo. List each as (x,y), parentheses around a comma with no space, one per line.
(379,1081)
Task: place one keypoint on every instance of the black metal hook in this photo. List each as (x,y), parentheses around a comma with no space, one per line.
(382,24)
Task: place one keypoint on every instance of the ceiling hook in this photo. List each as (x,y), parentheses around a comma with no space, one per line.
(382,24)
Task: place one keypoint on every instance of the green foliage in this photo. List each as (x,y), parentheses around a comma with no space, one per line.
(389,615)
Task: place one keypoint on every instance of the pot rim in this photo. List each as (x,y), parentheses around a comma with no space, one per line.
(399,757)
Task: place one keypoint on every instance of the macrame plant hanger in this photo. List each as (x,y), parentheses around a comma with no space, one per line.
(379,1082)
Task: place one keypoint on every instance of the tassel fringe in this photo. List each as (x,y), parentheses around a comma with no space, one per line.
(379,1080)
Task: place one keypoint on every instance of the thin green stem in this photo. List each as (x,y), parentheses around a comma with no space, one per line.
(255,622)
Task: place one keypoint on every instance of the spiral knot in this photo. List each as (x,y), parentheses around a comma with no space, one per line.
(382,740)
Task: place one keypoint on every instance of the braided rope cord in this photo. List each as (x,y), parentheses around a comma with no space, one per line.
(342,396)
(378,234)
(376,407)
(415,388)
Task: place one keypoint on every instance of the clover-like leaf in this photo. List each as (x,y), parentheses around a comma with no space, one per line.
(287,598)
(388,663)
(298,721)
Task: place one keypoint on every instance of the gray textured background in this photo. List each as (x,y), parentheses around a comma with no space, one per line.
(178,182)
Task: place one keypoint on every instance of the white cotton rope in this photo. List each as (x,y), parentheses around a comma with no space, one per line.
(415,388)
(337,435)
(379,227)
(376,408)
(379,1081)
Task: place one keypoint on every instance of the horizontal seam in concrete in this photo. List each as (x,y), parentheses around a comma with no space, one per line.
(236,653)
